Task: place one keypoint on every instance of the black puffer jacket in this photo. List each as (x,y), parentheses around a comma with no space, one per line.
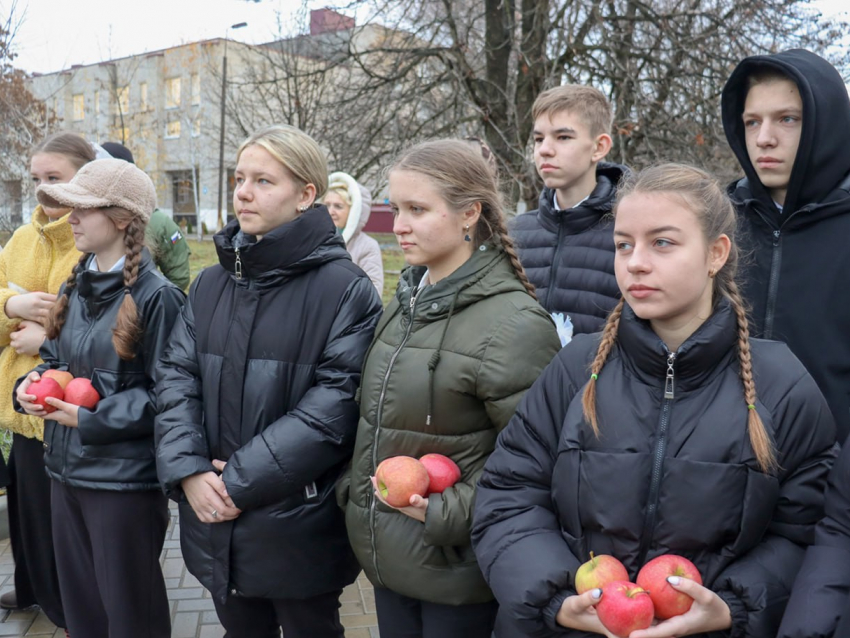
(112,448)
(261,372)
(667,475)
(569,254)
(821,596)
(798,271)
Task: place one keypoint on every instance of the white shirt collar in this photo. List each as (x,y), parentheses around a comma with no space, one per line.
(117,266)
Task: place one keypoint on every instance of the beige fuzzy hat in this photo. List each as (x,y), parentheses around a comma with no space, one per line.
(103,183)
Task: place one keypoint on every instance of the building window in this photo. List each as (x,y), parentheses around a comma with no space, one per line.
(122,100)
(184,197)
(79,107)
(172,93)
(143,96)
(196,89)
(172,129)
(97,102)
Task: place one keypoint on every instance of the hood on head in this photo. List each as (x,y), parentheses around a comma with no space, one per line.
(823,157)
(361,203)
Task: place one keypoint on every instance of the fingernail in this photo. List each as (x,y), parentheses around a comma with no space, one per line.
(673,580)
(597,593)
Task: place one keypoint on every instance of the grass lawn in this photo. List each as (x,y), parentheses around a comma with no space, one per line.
(203,255)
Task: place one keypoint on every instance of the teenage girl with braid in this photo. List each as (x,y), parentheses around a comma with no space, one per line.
(672,432)
(456,348)
(110,324)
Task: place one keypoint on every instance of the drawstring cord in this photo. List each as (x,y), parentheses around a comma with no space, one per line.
(435,359)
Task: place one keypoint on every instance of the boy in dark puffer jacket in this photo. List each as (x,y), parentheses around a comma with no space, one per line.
(566,246)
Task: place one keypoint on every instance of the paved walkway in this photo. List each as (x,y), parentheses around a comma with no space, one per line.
(192,611)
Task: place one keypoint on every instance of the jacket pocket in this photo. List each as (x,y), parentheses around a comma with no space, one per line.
(137,449)
(109,382)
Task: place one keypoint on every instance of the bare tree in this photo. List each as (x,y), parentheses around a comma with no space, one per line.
(460,66)
(25,121)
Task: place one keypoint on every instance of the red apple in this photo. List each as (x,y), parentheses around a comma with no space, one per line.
(44,388)
(81,392)
(442,472)
(653,578)
(624,608)
(598,572)
(60,376)
(399,478)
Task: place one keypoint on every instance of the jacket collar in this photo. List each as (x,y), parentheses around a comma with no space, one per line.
(57,231)
(700,357)
(598,204)
(306,242)
(486,273)
(99,288)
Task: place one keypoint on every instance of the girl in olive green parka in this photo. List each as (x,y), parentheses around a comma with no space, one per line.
(455,351)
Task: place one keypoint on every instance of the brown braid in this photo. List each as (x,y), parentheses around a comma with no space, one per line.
(759,438)
(499,229)
(609,336)
(59,312)
(127,331)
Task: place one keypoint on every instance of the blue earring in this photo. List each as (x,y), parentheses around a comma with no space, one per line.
(466,237)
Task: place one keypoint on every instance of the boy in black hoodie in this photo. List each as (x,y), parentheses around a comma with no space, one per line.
(567,246)
(787,118)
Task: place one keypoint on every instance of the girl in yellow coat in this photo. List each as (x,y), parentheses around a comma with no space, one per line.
(33,265)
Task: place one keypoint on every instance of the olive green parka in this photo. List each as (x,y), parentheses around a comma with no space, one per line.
(447,382)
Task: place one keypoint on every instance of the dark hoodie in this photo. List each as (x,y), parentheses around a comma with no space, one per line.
(569,254)
(796,267)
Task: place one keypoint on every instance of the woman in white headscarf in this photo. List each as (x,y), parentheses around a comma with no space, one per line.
(349,204)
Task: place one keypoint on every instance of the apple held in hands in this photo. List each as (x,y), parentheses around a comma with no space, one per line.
(43,388)
(598,572)
(442,472)
(624,608)
(81,392)
(653,578)
(399,478)
(60,376)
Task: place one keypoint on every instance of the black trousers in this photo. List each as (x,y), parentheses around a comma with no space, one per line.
(107,551)
(316,617)
(403,617)
(28,498)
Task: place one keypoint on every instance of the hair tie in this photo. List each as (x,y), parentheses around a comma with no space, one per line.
(751,407)
(126,290)
(594,376)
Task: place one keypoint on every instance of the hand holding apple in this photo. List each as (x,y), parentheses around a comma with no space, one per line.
(598,572)
(579,612)
(653,578)
(40,390)
(400,477)
(625,608)
(707,613)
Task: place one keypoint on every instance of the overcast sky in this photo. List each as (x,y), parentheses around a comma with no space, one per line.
(55,34)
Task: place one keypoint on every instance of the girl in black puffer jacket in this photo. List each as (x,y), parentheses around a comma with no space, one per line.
(110,324)
(652,439)
(256,395)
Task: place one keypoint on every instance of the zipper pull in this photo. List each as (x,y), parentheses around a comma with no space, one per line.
(413,301)
(238,266)
(776,235)
(668,384)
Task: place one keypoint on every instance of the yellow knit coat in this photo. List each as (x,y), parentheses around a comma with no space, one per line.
(38,258)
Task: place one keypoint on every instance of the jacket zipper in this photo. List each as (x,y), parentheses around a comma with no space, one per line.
(658,458)
(378,416)
(237,268)
(773,285)
(554,263)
